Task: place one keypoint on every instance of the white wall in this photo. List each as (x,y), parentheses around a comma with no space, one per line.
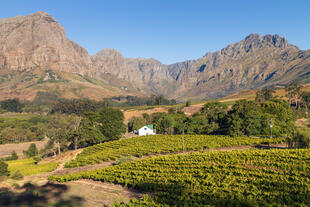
(145,131)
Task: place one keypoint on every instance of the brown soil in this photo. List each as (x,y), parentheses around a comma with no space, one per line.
(138,113)
(98,193)
(6,149)
(302,122)
(190,110)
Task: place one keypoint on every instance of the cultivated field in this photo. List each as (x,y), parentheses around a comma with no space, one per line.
(236,178)
(160,144)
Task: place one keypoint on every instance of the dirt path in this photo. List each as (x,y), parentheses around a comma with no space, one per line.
(97,193)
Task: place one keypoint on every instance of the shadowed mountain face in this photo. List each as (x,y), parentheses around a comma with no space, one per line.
(36,55)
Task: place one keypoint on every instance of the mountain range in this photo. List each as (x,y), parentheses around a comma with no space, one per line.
(36,55)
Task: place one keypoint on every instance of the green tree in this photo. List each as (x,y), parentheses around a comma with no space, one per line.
(306,97)
(32,150)
(164,125)
(299,140)
(198,124)
(136,123)
(87,134)
(4,171)
(14,156)
(244,119)
(187,104)
(12,105)
(264,95)
(294,93)
(59,129)
(147,118)
(76,106)
(282,115)
(111,123)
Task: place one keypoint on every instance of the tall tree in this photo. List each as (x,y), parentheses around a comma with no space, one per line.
(264,95)
(111,123)
(294,93)
(58,131)
(136,123)
(76,121)
(165,124)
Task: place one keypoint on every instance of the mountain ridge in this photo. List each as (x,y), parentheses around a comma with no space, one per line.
(38,41)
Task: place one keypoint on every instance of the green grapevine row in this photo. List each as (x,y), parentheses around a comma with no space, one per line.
(235,178)
(159,144)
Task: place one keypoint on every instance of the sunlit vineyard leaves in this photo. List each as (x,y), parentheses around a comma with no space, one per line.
(236,178)
(158,144)
(28,167)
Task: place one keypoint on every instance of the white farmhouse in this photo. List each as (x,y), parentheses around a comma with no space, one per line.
(146,130)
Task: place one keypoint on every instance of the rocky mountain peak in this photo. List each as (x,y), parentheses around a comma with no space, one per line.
(255,40)
(38,40)
(276,41)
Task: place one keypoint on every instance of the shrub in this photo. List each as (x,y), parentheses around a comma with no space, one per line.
(32,151)
(37,159)
(299,140)
(14,156)
(17,175)
(4,169)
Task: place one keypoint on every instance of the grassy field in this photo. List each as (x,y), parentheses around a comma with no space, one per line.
(158,144)
(27,167)
(235,178)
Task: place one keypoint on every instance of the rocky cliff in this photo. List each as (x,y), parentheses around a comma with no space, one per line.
(38,40)
(146,74)
(34,43)
(255,62)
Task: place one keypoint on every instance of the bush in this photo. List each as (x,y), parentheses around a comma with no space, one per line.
(17,175)
(4,171)
(32,151)
(187,104)
(37,159)
(299,140)
(14,156)
(12,105)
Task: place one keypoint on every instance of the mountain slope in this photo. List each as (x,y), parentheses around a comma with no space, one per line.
(38,40)
(36,55)
(255,62)
(145,74)
(251,63)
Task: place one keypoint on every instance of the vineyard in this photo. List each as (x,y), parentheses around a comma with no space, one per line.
(235,178)
(28,167)
(160,144)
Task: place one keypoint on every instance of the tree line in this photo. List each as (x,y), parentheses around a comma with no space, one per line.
(245,118)
(53,103)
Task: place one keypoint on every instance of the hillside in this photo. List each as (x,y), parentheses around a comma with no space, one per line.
(36,55)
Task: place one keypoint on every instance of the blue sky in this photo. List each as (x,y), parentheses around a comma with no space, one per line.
(170,30)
